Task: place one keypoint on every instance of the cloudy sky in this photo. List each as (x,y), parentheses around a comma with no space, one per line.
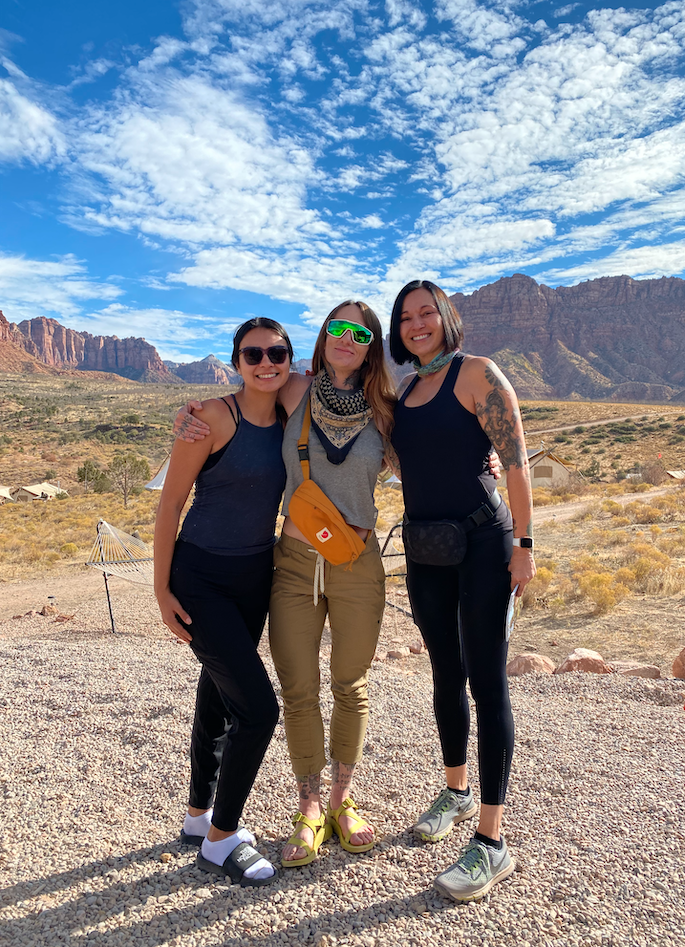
(168,169)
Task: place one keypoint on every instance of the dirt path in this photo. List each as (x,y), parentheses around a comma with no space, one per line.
(572,427)
(565,511)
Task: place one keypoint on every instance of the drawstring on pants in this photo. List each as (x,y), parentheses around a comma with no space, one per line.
(319,580)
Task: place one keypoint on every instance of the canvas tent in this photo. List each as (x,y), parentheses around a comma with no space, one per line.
(546,469)
(6,495)
(37,491)
(157,481)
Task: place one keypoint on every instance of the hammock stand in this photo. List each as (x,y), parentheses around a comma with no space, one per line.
(116,553)
(393,558)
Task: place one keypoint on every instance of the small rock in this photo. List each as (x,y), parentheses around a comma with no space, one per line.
(48,610)
(64,617)
(582,659)
(31,614)
(529,663)
(165,857)
(418,647)
(679,665)
(380,656)
(17,616)
(631,669)
(402,652)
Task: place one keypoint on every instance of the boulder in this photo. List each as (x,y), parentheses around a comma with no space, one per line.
(679,665)
(48,610)
(418,647)
(529,664)
(633,669)
(582,659)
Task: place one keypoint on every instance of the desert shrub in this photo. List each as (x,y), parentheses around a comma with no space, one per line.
(536,588)
(69,549)
(602,589)
(643,512)
(654,473)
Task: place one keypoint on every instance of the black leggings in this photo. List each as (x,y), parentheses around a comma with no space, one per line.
(236,710)
(461,613)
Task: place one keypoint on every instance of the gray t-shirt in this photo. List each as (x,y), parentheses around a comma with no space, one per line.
(349,485)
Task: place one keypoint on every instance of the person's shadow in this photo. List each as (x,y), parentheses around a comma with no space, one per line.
(101,905)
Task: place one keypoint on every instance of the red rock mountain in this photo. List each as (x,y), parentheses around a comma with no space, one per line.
(208,371)
(613,338)
(59,347)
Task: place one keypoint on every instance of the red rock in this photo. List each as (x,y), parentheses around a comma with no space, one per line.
(48,610)
(632,669)
(380,656)
(208,371)
(17,616)
(582,659)
(31,613)
(530,663)
(679,665)
(580,340)
(402,652)
(64,617)
(418,647)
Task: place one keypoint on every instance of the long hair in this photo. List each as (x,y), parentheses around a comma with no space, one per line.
(451,320)
(258,322)
(379,390)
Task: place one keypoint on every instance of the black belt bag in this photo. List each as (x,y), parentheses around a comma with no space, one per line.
(444,542)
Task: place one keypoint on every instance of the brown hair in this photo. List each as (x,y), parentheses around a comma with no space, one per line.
(379,390)
(451,320)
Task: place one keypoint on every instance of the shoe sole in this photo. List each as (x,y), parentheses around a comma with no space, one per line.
(476,895)
(244,882)
(460,818)
(186,839)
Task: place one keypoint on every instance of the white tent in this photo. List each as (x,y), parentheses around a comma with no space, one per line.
(5,495)
(157,481)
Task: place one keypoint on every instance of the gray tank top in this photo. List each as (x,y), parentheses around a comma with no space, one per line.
(349,485)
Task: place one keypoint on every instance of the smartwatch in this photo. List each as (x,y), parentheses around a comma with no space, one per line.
(525,542)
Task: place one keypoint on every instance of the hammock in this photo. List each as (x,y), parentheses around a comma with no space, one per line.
(116,553)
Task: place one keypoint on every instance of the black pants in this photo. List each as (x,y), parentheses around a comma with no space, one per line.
(461,613)
(236,711)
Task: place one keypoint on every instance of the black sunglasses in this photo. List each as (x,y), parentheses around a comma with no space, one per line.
(253,354)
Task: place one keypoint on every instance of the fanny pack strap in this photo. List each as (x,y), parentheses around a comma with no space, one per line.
(303,442)
(483,513)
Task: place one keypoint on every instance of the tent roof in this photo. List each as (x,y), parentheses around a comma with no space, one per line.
(5,492)
(157,481)
(39,488)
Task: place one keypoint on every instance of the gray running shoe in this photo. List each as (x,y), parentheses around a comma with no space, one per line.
(477,869)
(448,809)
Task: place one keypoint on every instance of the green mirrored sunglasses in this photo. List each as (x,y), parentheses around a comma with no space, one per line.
(361,335)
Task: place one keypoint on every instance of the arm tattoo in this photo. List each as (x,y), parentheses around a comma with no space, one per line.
(499,423)
(309,786)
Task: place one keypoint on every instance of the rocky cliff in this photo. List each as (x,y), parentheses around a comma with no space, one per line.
(208,371)
(613,338)
(59,347)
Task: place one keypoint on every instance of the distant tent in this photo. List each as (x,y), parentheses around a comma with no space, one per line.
(157,481)
(6,495)
(37,491)
(675,474)
(392,481)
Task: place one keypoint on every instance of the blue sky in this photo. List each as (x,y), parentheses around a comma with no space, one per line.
(170,169)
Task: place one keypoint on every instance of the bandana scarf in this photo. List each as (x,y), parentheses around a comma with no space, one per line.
(337,421)
(436,365)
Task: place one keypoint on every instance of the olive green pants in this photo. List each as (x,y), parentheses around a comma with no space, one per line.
(353,599)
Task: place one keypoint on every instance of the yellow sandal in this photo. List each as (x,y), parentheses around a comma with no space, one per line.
(322,832)
(349,809)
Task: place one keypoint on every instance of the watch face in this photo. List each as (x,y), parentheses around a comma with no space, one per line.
(526,542)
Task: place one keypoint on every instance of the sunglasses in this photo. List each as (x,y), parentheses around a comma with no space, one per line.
(253,354)
(361,335)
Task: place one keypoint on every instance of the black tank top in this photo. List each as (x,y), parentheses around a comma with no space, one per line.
(443,452)
(238,492)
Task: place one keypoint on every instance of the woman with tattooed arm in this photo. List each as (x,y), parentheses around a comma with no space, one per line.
(461,576)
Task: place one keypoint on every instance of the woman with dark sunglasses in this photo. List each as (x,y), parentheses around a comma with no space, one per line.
(449,417)
(213,585)
(350,405)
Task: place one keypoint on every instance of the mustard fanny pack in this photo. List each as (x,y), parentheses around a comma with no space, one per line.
(317,517)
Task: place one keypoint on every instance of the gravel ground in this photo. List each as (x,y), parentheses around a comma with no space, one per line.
(95,774)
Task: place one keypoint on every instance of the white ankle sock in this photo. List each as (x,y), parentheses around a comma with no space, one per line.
(197,824)
(218,852)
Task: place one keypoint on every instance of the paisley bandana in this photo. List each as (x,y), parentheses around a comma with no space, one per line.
(338,421)
(432,367)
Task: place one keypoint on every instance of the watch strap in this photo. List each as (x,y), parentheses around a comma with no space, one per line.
(525,542)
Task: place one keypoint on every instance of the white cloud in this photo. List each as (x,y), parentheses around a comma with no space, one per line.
(648,262)
(55,288)
(169,330)
(28,131)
